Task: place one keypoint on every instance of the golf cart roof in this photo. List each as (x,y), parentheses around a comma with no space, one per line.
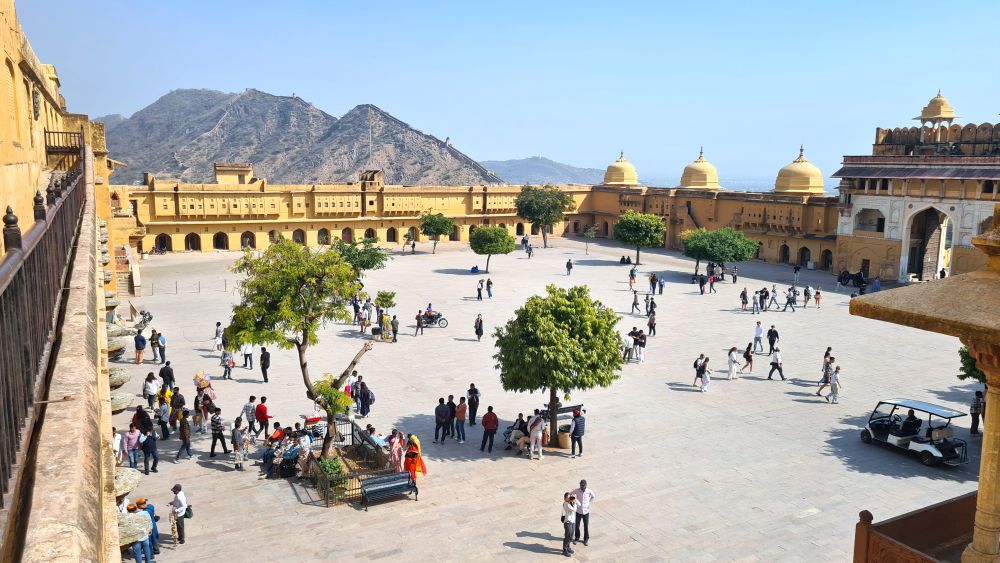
(931,408)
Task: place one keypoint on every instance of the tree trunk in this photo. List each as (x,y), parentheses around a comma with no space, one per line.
(434,248)
(302,347)
(488,256)
(553,418)
(331,433)
(545,237)
(697,265)
(637,256)
(586,248)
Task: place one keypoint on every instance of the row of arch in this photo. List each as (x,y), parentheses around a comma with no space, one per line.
(805,256)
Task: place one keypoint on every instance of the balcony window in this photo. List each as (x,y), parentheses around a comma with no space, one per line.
(871,220)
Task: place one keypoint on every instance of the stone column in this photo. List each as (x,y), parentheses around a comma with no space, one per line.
(985,546)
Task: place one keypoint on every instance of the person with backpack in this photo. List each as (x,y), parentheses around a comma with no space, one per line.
(696,366)
(704,373)
(748,357)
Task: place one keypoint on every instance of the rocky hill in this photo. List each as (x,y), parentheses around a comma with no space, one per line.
(287,140)
(540,170)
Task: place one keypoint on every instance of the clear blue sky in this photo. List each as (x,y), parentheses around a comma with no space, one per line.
(572,81)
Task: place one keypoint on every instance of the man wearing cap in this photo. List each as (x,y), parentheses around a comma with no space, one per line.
(154,537)
(143,545)
(179,506)
(586,497)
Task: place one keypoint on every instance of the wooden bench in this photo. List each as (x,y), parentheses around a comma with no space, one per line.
(563,410)
(387,486)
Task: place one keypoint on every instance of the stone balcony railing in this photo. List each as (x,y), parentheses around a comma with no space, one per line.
(862,233)
(933,534)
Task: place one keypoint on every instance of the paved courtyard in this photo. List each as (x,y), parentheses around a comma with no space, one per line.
(754,470)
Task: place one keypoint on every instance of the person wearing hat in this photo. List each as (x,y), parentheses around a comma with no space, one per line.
(178,507)
(143,545)
(585,497)
(154,537)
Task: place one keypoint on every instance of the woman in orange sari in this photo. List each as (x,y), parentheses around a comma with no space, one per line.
(414,462)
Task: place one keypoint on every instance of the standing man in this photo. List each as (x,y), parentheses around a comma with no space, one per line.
(265,362)
(662,281)
(755,303)
(479,291)
(250,413)
(140,347)
(776,365)
(167,376)
(460,412)
(420,323)
(774,297)
(789,299)
(976,409)
(795,274)
(394,323)
(440,420)
(569,266)
(834,387)
(149,451)
(758,336)
(772,339)
(490,425)
(163,347)
(452,413)
(179,507)
(584,497)
(576,430)
(635,301)
(217,434)
(489,288)
(473,395)
(247,350)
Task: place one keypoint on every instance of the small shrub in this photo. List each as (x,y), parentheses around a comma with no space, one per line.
(332,468)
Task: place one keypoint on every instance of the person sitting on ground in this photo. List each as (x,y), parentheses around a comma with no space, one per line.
(622,261)
(628,260)
(278,435)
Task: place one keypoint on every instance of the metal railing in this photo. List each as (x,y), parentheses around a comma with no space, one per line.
(352,439)
(63,141)
(32,276)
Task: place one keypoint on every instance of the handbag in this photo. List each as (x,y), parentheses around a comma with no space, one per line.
(188,513)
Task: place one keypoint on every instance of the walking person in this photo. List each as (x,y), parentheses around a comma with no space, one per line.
(827,376)
(652,306)
(758,336)
(584,498)
(479,291)
(646,303)
(478,326)
(569,266)
(250,413)
(490,425)
(473,395)
(818,298)
(651,323)
(177,403)
(489,288)
(166,377)
(631,278)
(662,282)
(711,284)
(763,299)
(247,350)
(776,365)
(569,522)
(577,428)
(420,323)
(835,384)
(150,388)
(640,346)
(132,445)
(262,418)
(531,251)
(265,363)
(697,365)
(748,358)
(635,301)
(154,345)
(755,303)
(789,299)
(977,409)
(163,417)
(184,432)
(734,361)
(772,339)
(774,297)
(227,364)
(149,450)
(440,421)
(705,374)
(461,410)
(217,432)
(702,281)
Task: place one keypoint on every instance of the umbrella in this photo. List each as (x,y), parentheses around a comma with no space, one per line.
(118,377)
(126,480)
(132,527)
(121,401)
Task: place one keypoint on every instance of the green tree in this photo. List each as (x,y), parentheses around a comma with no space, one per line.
(334,402)
(969,369)
(639,230)
(721,245)
(386,299)
(289,292)
(560,342)
(543,207)
(590,233)
(407,239)
(490,241)
(362,256)
(435,225)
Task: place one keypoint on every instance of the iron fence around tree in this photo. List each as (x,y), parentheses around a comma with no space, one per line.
(353,441)
(33,273)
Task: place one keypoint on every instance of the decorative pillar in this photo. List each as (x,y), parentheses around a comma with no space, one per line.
(39,207)
(985,546)
(11,232)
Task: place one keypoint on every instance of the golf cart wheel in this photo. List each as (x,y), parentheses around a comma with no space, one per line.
(927,458)
(866,436)
(442,323)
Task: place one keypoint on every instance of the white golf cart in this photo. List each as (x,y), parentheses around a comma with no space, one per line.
(891,423)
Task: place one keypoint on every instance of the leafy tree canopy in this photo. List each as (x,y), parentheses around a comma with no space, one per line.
(543,206)
(969,369)
(640,230)
(386,299)
(435,225)
(490,241)
(721,245)
(560,341)
(362,256)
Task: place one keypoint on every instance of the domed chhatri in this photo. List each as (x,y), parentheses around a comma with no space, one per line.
(800,176)
(700,174)
(937,109)
(621,173)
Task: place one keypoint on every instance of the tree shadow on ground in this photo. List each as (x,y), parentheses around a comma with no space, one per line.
(458,271)
(879,459)
(352,333)
(593,262)
(422,425)
(960,393)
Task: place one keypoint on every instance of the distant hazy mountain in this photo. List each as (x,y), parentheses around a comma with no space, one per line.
(539,170)
(111,121)
(287,140)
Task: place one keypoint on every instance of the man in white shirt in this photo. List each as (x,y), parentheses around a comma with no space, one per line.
(776,364)
(179,506)
(247,350)
(536,428)
(584,497)
(758,337)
